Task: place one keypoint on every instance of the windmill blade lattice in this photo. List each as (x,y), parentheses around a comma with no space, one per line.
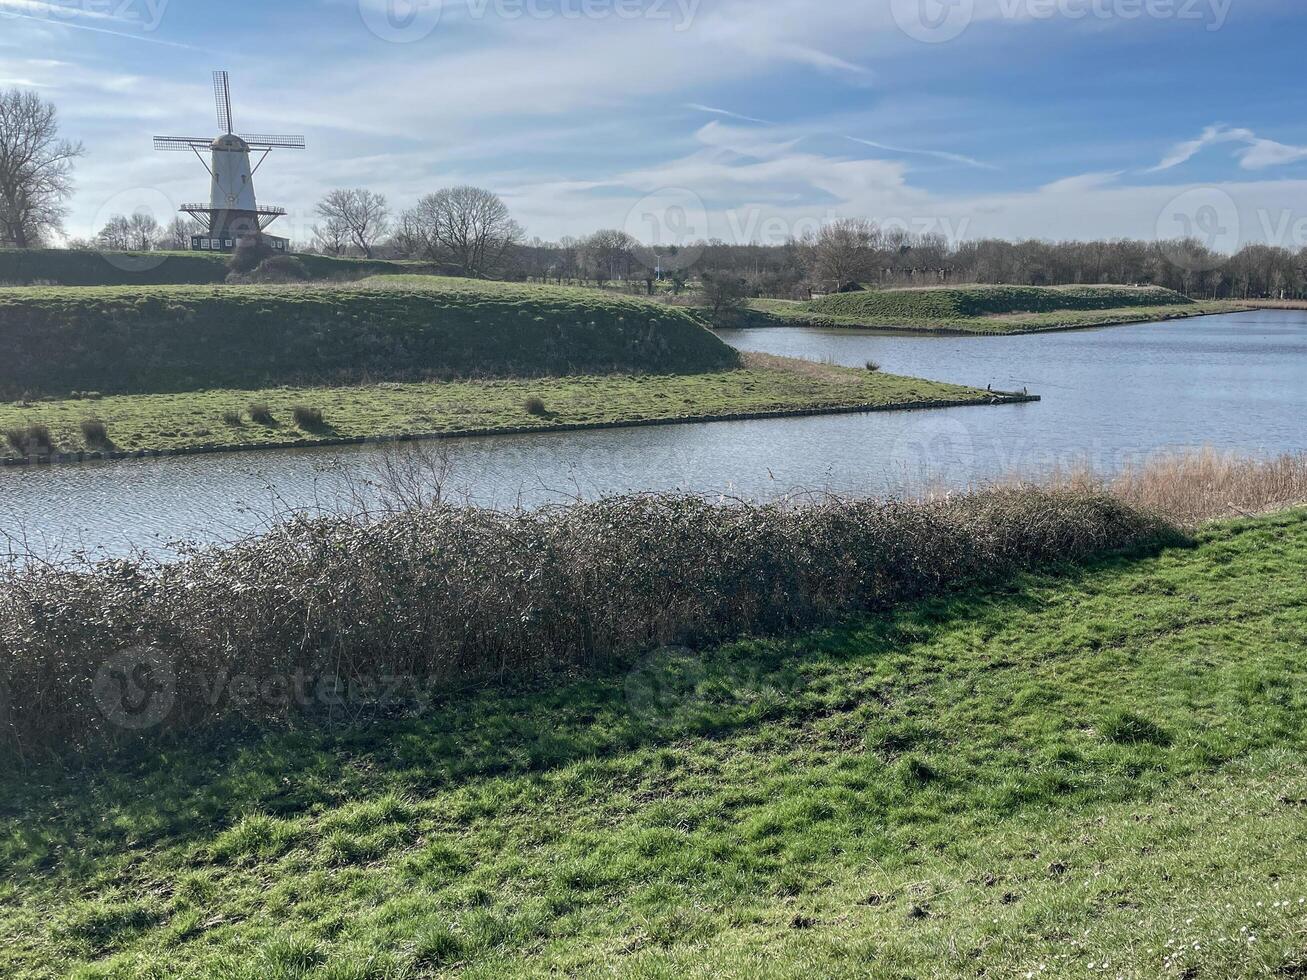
(181,143)
(222,96)
(264,142)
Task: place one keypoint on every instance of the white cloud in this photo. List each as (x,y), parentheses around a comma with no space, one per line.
(51,11)
(576,120)
(725,112)
(1080,183)
(937,154)
(1255,153)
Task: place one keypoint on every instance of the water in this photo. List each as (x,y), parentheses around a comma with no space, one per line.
(1110,396)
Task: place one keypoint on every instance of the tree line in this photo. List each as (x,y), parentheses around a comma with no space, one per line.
(469,230)
(853,253)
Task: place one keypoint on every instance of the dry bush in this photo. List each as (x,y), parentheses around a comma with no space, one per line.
(95,432)
(261,414)
(35,438)
(459,594)
(39,438)
(307,417)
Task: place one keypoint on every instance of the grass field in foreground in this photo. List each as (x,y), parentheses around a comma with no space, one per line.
(1093,771)
(187,419)
(790,313)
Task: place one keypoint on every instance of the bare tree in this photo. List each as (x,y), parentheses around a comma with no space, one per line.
(146,235)
(177,236)
(406,238)
(139,232)
(725,294)
(843,252)
(331,238)
(116,235)
(608,254)
(362,214)
(469,226)
(36,169)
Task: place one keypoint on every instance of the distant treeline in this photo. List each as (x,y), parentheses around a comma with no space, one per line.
(797,269)
(471,230)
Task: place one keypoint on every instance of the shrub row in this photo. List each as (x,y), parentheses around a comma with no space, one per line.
(461,594)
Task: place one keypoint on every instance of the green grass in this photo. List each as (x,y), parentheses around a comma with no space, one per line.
(192,419)
(67,267)
(1093,771)
(964,302)
(129,340)
(987,309)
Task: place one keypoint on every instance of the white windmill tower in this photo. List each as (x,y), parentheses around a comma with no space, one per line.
(233,216)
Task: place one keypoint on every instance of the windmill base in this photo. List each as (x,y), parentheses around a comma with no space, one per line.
(210,243)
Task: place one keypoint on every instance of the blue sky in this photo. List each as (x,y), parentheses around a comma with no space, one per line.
(743,119)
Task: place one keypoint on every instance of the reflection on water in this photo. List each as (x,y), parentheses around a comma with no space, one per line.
(1237,382)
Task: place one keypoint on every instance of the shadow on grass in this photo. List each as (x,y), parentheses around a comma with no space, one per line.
(183,792)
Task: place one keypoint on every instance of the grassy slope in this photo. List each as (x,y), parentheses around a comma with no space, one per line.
(189,419)
(186,338)
(990,309)
(67,267)
(961,302)
(1097,770)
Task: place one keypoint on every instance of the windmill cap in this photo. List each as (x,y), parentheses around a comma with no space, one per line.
(231,144)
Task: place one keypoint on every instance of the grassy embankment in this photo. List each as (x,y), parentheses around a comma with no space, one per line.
(182,367)
(987,309)
(1092,770)
(221,418)
(67,267)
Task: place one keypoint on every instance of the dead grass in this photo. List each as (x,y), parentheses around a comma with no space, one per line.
(804,368)
(1195,488)
(1276,304)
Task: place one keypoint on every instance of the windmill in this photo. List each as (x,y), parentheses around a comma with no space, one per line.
(233,216)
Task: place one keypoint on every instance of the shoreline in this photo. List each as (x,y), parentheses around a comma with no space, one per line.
(1152,316)
(82,456)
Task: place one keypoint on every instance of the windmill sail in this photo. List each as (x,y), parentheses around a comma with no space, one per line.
(222,96)
(181,143)
(261,142)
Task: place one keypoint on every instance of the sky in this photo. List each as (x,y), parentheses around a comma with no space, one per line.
(745,120)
